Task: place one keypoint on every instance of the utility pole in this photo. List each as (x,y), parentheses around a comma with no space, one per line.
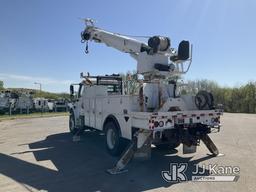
(40,85)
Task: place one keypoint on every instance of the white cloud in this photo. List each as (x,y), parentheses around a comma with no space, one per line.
(31,79)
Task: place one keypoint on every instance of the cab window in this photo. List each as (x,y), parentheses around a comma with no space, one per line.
(80,90)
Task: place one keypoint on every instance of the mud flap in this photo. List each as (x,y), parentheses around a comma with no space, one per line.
(144,152)
(189,149)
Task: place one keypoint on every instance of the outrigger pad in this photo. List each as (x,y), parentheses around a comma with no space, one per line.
(128,154)
(213,155)
(115,171)
(76,138)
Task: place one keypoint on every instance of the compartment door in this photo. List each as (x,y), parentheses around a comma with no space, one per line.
(98,113)
(92,112)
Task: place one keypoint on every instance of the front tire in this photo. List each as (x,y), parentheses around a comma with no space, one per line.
(72,125)
(115,144)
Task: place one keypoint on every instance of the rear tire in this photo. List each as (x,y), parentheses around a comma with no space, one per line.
(115,144)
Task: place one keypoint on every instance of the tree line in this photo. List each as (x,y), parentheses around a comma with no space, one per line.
(1,85)
(37,93)
(240,99)
(49,95)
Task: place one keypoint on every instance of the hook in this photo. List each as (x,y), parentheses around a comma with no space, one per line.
(86,48)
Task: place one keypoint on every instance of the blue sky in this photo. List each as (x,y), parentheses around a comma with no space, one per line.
(40,39)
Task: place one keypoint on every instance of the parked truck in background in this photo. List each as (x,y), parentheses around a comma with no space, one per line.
(7,102)
(24,103)
(40,104)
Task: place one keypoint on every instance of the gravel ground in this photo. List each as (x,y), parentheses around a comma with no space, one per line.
(39,155)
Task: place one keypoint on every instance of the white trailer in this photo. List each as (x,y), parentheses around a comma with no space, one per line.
(157,114)
(50,104)
(60,105)
(40,104)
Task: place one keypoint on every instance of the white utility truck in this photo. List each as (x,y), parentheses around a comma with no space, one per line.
(40,104)
(24,103)
(7,102)
(157,114)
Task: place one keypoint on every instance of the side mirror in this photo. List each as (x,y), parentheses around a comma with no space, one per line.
(71,90)
(184,50)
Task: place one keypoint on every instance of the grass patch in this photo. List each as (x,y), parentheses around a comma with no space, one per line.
(32,115)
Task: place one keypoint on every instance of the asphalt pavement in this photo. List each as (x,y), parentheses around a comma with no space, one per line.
(39,155)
